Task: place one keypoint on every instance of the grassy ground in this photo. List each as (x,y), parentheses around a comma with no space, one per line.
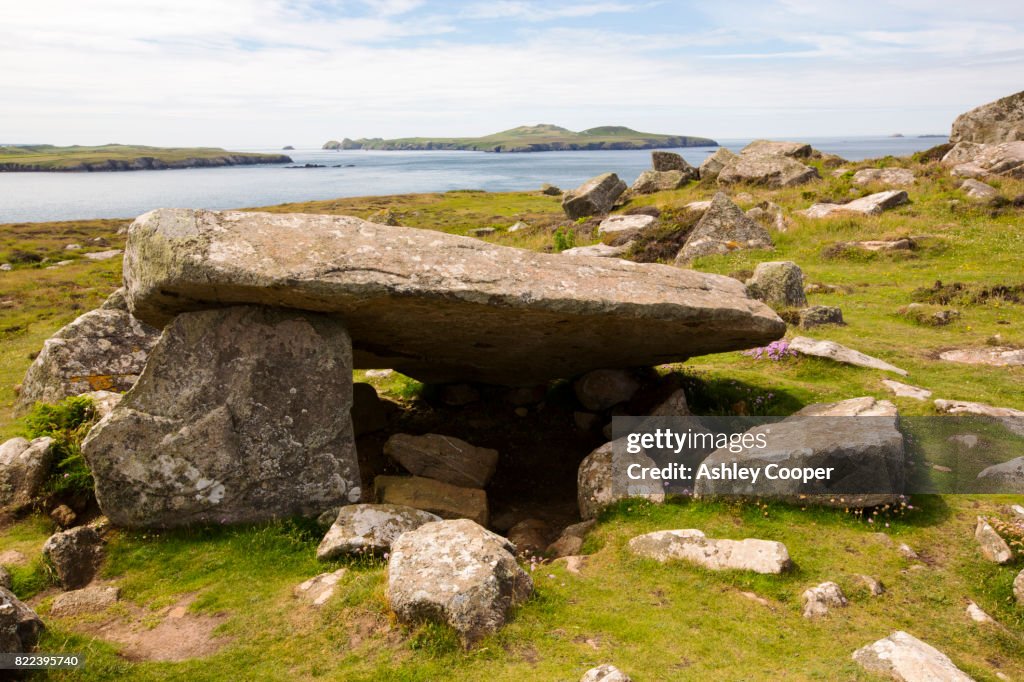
(656,622)
(49,157)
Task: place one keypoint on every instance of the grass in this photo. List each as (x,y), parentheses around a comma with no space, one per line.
(654,621)
(46,157)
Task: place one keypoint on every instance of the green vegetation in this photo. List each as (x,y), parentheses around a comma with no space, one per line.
(115,157)
(67,423)
(537,138)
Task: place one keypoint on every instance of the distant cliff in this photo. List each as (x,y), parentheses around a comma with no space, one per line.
(117,157)
(538,138)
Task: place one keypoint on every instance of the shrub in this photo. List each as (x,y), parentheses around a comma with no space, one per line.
(67,422)
(564,239)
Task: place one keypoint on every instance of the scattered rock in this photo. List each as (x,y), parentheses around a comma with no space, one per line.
(73,247)
(63,516)
(883,245)
(625,225)
(19,625)
(574,564)
(670,161)
(892,177)
(993,546)
(975,613)
(550,190)
(443,499)
(602,479)
(442,302)
(379,373)
(86,600)
(597,251)
(766,170)
(75,555)
(906,390)
(779,284)
(24,468)
(873,204)
(820,316)
(605,673)
(998,121)
(369,528)
(966,441)
(103,255)
(275,439)
(530,536)
(903,657)
(1007,477)
(6,267)
(978,190)
(713,165)
(1010,418)
(105,349)
(760,556)
(723,228)
(603,388)
(595,197)
(458,573)
(819,599)
(867,455)
(874,586)
(994,356)
(570,542)
(839,353)
(652,181)
(517,226)
(318,590)
(443,458)
(907,552)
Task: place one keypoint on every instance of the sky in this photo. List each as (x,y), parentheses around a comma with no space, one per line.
(269,73)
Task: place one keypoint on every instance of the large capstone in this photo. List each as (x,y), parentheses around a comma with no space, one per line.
(439,307)
(242,414)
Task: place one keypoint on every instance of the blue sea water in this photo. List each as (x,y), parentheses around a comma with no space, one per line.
(29,197)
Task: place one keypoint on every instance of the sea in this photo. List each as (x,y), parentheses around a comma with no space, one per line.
(35,197)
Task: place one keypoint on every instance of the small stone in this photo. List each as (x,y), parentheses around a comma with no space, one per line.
(873,204)
(892,177)
(379,373)
(565,545)
(597,251)
(75,555)
(905,550)
(625,225)
(605,673)
(63,516)
(821,315)
(86,600)
(24,467)
(652,181)
(976,189)
(574,563)
(993,546)
(874,586)
(818,600)
(601,479)
(319,589)
(73,247)
(19,624)
(906,390)
(103,255)
(550,190)
(975,613)
(595,197)
(517,226)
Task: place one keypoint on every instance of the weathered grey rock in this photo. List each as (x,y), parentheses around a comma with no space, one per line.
(605,673)
(779,284)
(75,555)
(669,161)
(760,556)
(105,349)
(652,181)
(319,589)
(437,306)
(550,190)
(866,455)
(819,599)
(1010,418)
(86,600)
(594,197)
(905,658)
(24,467)
(443,499)
(873,204)
(973,161)
(570,542)
(443,458)
(995,356)
(975,613)
(602,480)
(962,152)
(906,391)
(993,547)
(723,228)
(839,353)
(530,536)
(771,215)
(19,625)
(369,412)
(998,121)
(603,388)
(793,150)
(458,573)
(625,225)
(978,190)
(713,165)
(891,177)
(369,528)
(64,516)
(1018,588)
(821,315)
(597,251)
(241,415)
(1008,476)
(102,255)
(768,171)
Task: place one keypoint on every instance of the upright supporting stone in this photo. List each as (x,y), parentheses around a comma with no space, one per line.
(241,415)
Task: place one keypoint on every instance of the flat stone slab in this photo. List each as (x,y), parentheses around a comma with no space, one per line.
(1012,419)
(440,307)
(759,556)
(903,657)
(840,353)
(994,356)
(894,177)
(873,204)
(901,390)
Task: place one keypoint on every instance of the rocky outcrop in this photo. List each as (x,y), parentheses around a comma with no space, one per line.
(873,204)
(443,499)
(713,165)
(905,658)
(792,150)
(779,284)
(723,228)
(759,556)
(436,306)
(840,353)
(241,415)
(369,529)
(458,573)
(999,121)
(890,177)
(594,197)
(854,445)
(24,467)
(103,350)
(20,627)
(75,555)
(443,458)
(602,479)
(973,160)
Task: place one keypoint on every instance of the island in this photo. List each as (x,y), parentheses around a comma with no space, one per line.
(122,157)
(536,138)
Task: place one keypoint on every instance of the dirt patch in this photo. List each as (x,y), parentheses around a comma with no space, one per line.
(177,636)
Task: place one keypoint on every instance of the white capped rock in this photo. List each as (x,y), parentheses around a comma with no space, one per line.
(905,658)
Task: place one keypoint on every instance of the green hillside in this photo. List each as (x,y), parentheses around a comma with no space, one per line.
(119,157)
